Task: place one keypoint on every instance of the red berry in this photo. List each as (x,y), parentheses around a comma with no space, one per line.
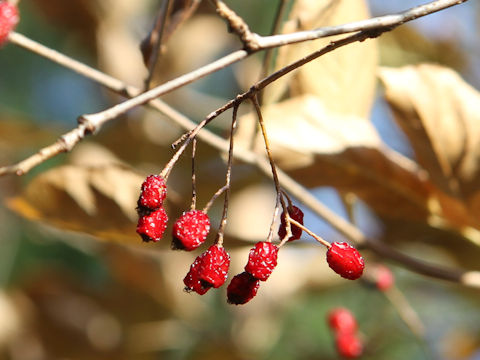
(341,320)
(153,193)
(384,278)
(348,345)
(191,280)
(345,260)
(214,266)
(242,289)
(9,18)
(297,215)
(208,270)
(152,226)
(262,260)
(190,230)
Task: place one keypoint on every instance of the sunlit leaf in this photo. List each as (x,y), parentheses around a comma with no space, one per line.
(99,200)
(322,148)
(440,114)
(344,79)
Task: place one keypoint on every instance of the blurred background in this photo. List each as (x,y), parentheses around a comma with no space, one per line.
(77,283)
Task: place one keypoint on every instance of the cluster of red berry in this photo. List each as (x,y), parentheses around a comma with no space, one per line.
(9,18)
(152,217)
(210,269)
(344,326)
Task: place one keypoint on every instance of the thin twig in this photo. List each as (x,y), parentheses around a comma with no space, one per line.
(309,232)
(72,64)
(288,226)
(157,34)
(274,217)
(373,24)
(268,150)
(405,311)
(214,197)
(273,167)
(267,59)
(194,182)
(95,121)
(396,297)
(289,200)
(228,175)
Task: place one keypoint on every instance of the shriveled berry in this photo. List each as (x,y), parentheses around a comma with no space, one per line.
(384,278)
(242,289)
(262,260)
(348,345)
(214,266)
(341,320)
(190,230)
(153,193)
(345,260)
(152,225)
(9,18)
(297,215)
(191,280)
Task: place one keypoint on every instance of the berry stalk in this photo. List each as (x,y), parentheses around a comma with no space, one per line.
(223,221)
(278,189)
(312,234)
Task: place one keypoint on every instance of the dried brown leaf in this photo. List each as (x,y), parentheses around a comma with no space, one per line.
(99,201)
(344,79)
(322,148)
(440,114)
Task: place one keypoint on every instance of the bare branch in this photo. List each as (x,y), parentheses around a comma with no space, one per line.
(382,23)
(370,28)
(44,154)
(96,120)
(72,64)
(70,139)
